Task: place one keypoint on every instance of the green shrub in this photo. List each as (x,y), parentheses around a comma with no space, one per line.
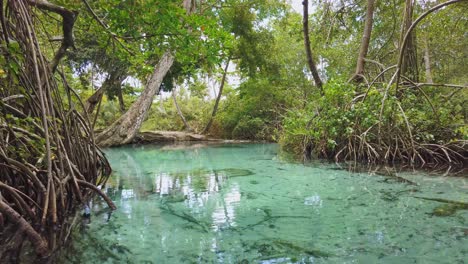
(248,128)
(341,120)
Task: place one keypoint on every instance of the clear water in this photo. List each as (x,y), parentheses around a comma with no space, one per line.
(240,203)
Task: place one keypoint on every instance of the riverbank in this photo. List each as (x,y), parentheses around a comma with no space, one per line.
(150,137)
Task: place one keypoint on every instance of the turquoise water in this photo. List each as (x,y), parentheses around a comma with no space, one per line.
(240,203)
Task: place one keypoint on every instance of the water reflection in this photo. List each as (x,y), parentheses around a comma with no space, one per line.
(194,189)
(242,205)
(224,213)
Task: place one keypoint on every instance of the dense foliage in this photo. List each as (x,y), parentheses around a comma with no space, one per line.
(270,94)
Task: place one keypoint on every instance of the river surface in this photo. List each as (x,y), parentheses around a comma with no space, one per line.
(241,203)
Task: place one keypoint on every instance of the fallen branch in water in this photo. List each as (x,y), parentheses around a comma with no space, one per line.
(441,200)
(186,217)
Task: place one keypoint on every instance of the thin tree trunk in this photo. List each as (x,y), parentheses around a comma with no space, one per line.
(186,125)
(358,75)
(218,98)
(120,98)
(427,62)
(310,60)
(161,104)
(126,127)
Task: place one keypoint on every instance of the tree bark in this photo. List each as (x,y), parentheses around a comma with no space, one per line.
(179,111)
(218,98)
(126,127)
(310,60)
(409,65)
(358,75)
(161,104)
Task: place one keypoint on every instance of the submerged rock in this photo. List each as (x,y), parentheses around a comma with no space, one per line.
(448,209)
(285,249)
(120,248)
(233,172)
(175,197)
(249,195)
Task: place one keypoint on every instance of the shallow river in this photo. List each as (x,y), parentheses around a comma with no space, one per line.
(241,203)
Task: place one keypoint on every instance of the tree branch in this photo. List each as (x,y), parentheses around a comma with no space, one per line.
(106,27)
(68,21)
(98,191)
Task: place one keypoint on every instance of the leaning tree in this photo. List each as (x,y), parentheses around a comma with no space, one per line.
(124,129)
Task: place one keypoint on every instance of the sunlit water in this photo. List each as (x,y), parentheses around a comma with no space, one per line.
(241,203)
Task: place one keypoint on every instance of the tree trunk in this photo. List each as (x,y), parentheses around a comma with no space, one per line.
(126,127)
(94,99)
(68,22)
(408,33)
(161,104)
(186,125)
(358,75)
(310,60)
(218,98)
(409,65)
(121,100)
(112,82)
(427,62)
